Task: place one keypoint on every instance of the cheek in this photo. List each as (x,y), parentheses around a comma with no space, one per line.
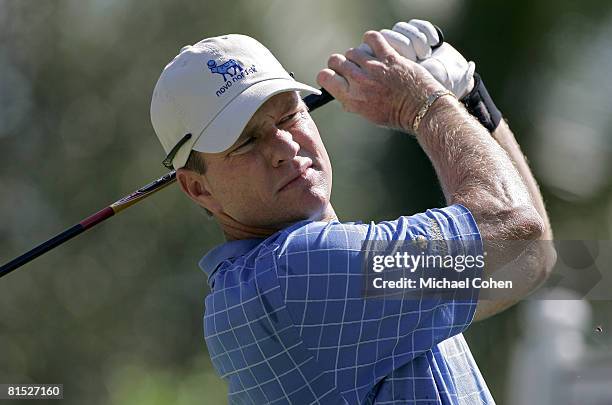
(314,144)
(238,185)
(308,137)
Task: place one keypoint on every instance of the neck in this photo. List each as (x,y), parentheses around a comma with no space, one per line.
(234,230)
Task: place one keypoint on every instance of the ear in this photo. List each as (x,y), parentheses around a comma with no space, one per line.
(196,186)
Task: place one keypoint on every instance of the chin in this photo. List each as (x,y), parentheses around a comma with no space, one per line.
(314,212)
(308,203)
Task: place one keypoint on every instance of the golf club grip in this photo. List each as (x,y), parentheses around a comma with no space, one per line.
(315,101)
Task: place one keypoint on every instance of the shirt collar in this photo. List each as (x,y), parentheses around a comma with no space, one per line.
(211,260)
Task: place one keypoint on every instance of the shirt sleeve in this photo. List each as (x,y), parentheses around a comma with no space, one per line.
(319,268)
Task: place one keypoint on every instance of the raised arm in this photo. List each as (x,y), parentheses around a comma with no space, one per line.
(473,169)
(456,74)
(416,40)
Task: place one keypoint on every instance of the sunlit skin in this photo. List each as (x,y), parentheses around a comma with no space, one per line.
(275,174)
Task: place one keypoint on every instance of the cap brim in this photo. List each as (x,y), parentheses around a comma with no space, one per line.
(227,126)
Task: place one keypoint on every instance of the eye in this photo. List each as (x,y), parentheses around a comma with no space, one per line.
(289,117)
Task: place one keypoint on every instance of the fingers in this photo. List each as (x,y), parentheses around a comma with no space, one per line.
(333,82)
(359,55)
(378,44)
(365,48)
(428,29)
(342,65)
(400,43)
(419,40)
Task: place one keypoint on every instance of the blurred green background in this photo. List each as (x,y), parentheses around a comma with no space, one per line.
(116,314)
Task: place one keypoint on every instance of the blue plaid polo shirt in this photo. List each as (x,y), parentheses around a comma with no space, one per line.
(286,321)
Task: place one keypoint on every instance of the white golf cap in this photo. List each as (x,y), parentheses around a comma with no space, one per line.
(211,90)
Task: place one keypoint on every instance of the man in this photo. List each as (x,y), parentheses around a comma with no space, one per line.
(286,320)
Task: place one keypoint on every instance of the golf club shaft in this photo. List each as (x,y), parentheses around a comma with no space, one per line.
(312,101)
(89,222)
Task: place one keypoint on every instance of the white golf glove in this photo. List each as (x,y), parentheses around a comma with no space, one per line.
(414,40)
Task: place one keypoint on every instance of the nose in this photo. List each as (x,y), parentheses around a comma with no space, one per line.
(281,147)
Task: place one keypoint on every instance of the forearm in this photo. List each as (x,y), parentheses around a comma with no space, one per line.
(505,138)
(475,171)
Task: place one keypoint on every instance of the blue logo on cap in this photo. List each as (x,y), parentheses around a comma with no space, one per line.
(231,68)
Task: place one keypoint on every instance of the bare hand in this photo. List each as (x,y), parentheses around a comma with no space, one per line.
(386,88)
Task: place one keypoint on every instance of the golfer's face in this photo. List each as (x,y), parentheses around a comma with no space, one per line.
(278,171)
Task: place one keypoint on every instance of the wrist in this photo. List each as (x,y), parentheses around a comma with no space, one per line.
(425,107)
(414,104)
(443,112)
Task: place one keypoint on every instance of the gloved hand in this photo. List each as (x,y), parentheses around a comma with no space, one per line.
(414,40)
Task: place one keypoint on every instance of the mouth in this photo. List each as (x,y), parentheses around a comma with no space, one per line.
(297,177)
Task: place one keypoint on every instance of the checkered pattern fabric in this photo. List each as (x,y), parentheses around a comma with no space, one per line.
(286,321)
